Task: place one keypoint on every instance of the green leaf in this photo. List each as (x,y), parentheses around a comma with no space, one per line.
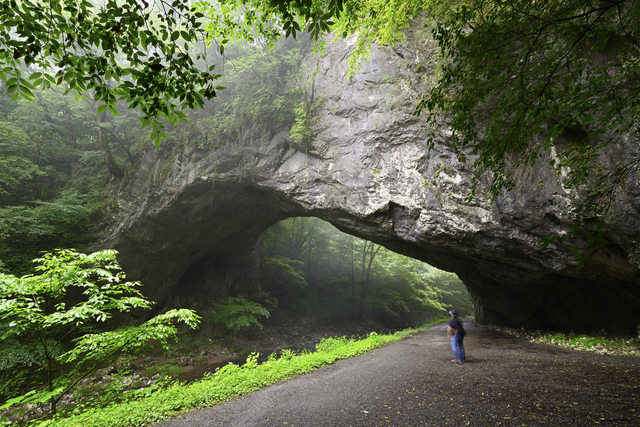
(26,92)
(113,110)
(102,108)
(25,84)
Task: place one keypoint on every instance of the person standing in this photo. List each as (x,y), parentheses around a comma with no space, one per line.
(456,332)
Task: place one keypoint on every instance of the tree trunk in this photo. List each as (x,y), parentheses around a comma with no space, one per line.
(275,237)
(353,280)
(366,271)
(296,247)
(114,169)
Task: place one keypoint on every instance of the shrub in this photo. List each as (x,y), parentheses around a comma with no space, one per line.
(239,313)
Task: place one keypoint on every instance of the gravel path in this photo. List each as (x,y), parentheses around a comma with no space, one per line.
(506,382)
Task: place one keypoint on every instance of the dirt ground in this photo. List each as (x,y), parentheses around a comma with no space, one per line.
(505,382)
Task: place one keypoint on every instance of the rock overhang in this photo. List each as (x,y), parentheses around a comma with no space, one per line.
(369,172)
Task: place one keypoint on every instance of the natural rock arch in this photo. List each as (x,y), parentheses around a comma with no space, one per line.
(369,173)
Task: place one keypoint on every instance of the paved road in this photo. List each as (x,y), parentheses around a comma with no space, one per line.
(506,382)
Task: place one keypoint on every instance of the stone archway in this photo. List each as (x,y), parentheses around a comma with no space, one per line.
(369,173)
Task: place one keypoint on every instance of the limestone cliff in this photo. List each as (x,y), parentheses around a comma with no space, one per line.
(367,170)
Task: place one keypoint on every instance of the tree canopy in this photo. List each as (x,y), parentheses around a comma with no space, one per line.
(138,52)
(117,49)
(521,74)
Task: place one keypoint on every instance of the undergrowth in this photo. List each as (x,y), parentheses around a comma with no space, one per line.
(227,382)
(164,369)
(600,344)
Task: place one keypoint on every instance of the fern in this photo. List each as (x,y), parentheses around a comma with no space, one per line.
(239,313)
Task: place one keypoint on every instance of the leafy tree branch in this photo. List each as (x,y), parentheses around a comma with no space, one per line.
(71,294)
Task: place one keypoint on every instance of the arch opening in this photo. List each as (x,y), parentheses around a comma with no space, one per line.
(304,270)
(316,271)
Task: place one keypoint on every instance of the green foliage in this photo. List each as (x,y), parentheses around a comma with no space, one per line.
(19,163)
(601,344)
(53,179)
(164,369)
(26,230)
(406,291)
(285,273)
(449,290)
(375,21)
(557,70)
(229,381)
(120,388)
(328,344)
(139,49)
(286,354)
(58,309)
(260,93)
(20,362)
(305,112)
(253,20)
(16,175)
(140,53)
(238,313)
(301,129)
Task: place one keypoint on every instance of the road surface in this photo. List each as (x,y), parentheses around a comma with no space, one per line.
(505,382)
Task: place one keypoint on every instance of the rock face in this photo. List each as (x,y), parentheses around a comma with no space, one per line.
(189,225)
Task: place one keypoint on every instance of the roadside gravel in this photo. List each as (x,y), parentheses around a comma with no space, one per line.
(506,382)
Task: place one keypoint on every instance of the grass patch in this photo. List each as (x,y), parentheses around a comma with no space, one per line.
(600,344)
(166,369)
(227,382)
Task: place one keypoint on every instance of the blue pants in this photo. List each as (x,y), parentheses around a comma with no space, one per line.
(458,348)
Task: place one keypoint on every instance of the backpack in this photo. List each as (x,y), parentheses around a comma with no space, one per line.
(460,330)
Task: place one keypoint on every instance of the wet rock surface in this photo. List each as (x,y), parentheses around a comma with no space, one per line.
(506,381)
(189,224)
